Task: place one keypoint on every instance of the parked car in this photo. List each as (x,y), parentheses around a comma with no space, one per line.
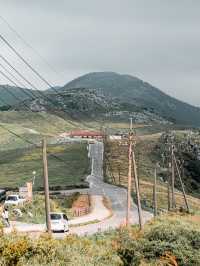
(59,222)
(14,200)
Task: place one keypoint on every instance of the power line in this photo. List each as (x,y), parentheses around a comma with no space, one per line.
(9,72)
(28,45)
(30,142)
(54,102)
(26,91)
(3,101)
(24,78)
(15,84)
(27,106)
(36,96)
(17,98)
(21,76)
(25,61)
(16,71)
(35,71)
(38,74)
(29,66)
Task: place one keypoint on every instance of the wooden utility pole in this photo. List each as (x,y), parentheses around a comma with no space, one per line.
(129,179)
(182,185)
(155,193)
(137,190)
(132,165)
(119,173)
(46,187)
(168,189)
(173,177)
(104,152)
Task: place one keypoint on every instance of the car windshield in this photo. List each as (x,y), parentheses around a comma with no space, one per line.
(12,198)
(55,216)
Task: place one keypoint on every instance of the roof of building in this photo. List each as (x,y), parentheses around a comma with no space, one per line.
(83,133)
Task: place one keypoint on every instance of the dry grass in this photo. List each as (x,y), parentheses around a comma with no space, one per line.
(117,172)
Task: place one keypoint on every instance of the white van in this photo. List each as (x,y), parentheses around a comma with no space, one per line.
(59,222)
(14,200)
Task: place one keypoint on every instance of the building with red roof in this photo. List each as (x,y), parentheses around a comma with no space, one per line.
(83,134)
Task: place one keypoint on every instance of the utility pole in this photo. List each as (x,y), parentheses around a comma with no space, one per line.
(129,178)
(182,185)
(119,173)
(155,193)
(46,187)
(137,190)
(168,188)
(172,177)
(104,151)
(131,125)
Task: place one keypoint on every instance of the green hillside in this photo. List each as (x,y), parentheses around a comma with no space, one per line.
(10,95)
(17,166)
(31,127)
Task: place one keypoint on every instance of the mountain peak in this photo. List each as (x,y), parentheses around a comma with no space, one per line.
(134,91)
(97,79)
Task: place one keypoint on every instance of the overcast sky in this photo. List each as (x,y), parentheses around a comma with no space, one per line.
(155,40)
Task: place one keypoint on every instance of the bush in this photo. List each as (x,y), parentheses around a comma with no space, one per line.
(19,250)
(179,239)
(13,248)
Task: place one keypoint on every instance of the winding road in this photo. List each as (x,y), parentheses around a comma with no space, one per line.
(116,195)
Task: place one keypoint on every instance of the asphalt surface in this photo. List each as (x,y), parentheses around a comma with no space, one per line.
(116,195)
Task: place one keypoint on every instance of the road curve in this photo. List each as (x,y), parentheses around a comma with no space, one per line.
(117,196)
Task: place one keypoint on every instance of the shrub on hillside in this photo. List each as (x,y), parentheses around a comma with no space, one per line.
(13,248)
(179,241)
(166,241)
(19,250)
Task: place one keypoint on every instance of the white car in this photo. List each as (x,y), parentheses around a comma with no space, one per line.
(59,222)
(14,200)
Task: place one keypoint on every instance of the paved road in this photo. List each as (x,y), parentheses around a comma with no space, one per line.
(117,196)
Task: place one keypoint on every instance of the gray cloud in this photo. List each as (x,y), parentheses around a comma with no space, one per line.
(155,40)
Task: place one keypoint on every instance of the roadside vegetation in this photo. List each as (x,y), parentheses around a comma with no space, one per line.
(168,240)
(34,211)
(148,153)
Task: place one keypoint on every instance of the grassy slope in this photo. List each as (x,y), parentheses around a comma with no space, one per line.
(41,122)
(117,165)
(31,126)
(18,159)
(17,165)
